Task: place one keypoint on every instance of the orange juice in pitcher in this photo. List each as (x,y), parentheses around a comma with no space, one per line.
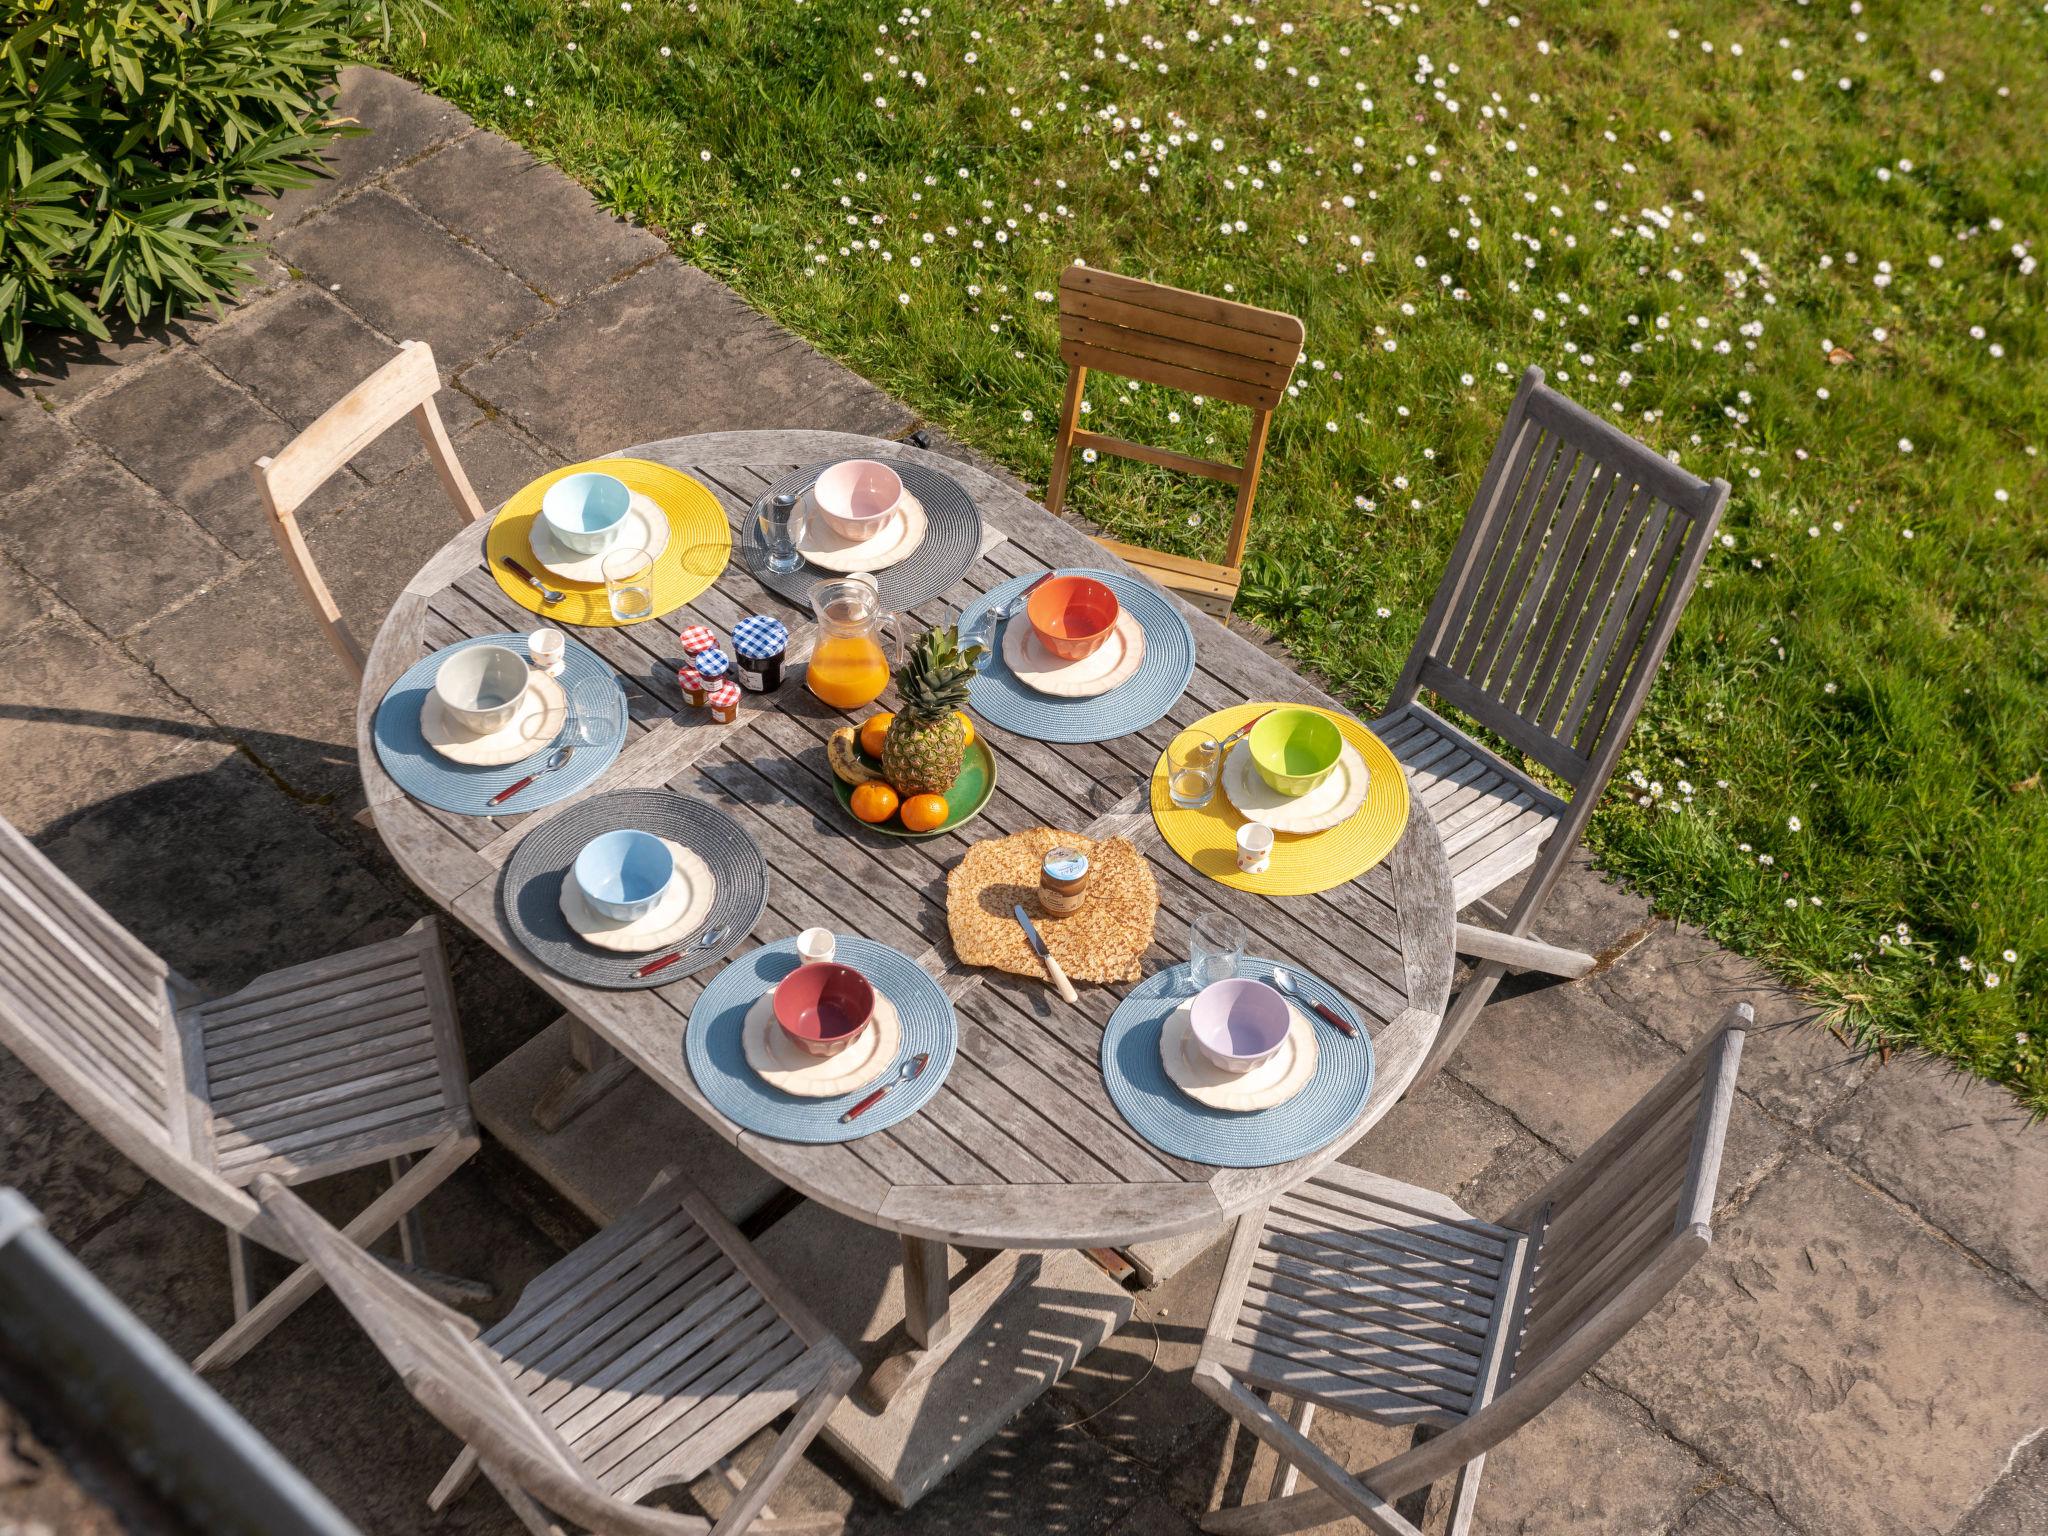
(849,668)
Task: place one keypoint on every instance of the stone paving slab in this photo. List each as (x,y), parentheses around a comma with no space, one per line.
(401,122)
(31,442)
(670,351)
(514,209)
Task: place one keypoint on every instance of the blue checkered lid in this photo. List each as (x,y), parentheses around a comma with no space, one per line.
(759,636)
(711,664)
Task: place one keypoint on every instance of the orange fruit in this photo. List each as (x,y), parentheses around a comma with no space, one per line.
(873,731)
(924,813)
(970,727)
(877,802)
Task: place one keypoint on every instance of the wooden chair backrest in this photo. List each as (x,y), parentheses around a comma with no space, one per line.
(1610,1236)
(1565,587)
(88,1008)
(1187,341)
(405,386)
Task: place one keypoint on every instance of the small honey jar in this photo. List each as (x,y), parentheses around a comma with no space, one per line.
(1063,881)
(725,703)
(691,681)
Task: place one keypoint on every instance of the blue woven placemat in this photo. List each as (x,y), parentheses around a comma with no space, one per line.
(426,775)
(1131,705)
(718,1059)
(1175,1123)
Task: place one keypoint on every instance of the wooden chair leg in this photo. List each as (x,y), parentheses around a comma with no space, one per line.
(240,1253)
(1465,1498)
(1458,1021)
(803,1427)
(455,1482)
(374,1221)
(1063,443)
(412,1233)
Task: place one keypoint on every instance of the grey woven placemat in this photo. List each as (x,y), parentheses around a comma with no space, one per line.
(531,886)
(951,542)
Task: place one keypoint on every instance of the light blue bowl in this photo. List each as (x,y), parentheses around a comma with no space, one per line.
(584,510)
(622,874)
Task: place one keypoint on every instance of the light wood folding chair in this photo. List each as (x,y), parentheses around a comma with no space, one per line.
(1188,341)
(405,386)
(1371,1297)
(339,1064)
(1560,600)
(639,1361)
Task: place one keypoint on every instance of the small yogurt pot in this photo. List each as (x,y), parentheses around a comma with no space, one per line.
(481,686)
(856,497)
(583,511)
(623,874)
(816,945)
(1239,1023)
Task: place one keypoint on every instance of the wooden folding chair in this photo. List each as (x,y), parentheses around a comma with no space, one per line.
(339,1064)
(405,386)
(639,1361)
(1371,1297)
(1560,600)
(1188,341)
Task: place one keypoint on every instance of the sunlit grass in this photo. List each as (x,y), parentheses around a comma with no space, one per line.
(1679,233)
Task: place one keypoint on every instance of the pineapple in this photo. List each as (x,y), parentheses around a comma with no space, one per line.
(927,740)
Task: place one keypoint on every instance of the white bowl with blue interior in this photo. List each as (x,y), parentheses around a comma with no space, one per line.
(623,874)
(584,510)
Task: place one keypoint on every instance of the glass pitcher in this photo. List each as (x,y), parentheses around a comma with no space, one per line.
(849,668)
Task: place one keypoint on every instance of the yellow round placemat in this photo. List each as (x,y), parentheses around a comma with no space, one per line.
(1302,864)
(699,545)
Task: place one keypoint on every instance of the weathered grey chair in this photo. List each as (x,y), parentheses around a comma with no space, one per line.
(1560,600)
(1373,1297)
(639,1361)
(405,386)
(343,1063)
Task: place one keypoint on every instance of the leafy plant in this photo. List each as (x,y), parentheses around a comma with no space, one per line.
(135,137)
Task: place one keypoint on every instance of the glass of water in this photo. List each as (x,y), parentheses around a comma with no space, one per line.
(782,524)
(596,707)
(1215,945)
(629,584)
(1191,773)
(979,628)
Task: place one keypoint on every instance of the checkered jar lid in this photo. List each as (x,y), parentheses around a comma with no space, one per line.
(724,696)
(757,637)
(710,664)
(691,679)
(697,638)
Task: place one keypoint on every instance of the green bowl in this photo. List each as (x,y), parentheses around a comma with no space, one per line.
(1295,749)
(964,800)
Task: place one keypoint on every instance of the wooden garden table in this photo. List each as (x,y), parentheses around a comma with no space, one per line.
(1021,1149)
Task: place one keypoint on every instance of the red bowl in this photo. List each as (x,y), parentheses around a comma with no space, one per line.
(823,1007)
(1072,615)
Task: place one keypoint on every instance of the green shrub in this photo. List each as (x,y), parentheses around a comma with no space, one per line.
(134,138)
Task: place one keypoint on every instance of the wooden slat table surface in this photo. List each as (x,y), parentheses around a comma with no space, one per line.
(1021,1148)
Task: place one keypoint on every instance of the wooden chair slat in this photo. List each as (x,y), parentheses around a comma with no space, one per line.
(1147,370)
(1182,304)
(1266,380)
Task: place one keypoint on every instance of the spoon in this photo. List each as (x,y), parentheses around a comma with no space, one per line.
(903,1074)
(555,760)
(548,595)
(1284,983)
(1015,605)
(704,940)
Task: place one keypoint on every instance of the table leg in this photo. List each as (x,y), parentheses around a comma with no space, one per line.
(594,1069)
(939,1315)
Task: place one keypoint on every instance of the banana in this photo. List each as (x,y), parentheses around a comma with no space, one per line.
(843,752)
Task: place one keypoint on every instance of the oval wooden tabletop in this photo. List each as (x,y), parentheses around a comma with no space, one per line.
(1021,1148)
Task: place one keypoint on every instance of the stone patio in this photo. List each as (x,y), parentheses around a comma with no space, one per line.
(1866,1350)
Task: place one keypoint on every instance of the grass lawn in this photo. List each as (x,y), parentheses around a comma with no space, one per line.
(1791,245)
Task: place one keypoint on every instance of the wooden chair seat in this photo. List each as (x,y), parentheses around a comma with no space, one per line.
(649,1353)
(329,1066)
(1493,818)
(1366,1296)
(1208,586)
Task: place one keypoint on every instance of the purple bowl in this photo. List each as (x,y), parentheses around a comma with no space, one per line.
(1239,1023)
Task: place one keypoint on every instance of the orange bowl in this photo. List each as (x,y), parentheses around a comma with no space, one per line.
(1072,615)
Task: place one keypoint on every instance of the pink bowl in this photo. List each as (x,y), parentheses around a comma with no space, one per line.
(1239,1023)
(856,496)
(824,1007)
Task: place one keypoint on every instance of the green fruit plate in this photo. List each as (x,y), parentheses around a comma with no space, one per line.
(964,800)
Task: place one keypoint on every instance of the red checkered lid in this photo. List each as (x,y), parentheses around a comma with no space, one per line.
(725,695)
(691,679)
(697,638)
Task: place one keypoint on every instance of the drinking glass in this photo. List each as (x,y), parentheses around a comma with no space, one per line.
(781,526)
(1191,774)
(594,708)
(1215,945)
(980,629)
(629,584)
